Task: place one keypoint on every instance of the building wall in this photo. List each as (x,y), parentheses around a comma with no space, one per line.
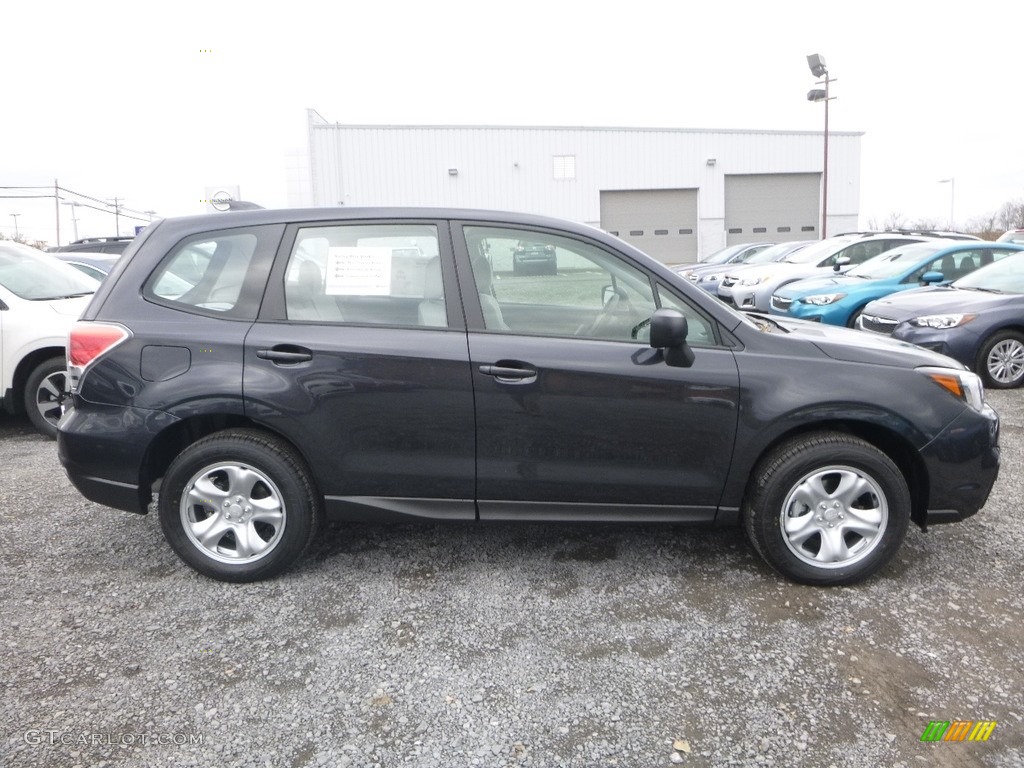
(513,168)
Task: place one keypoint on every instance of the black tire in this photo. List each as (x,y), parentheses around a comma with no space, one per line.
(852,500)
(46,395)
(253,500)
(1000,360)
(852,321)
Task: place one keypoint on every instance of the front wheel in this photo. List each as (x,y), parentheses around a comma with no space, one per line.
(239,506)
(46,395)
(827,509)
(1001,360)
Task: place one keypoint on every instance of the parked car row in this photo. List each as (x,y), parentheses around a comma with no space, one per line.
(945,291)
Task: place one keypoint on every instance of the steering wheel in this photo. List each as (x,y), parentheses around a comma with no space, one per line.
(610,314)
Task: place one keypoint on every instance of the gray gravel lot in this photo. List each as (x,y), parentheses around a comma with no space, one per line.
(502,645)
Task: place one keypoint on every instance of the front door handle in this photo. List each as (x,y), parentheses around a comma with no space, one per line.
(285,354)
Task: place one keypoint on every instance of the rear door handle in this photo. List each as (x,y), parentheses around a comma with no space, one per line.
(506,373)
(285,355)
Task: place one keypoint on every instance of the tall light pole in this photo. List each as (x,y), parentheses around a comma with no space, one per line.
(15,217)
(952,195)
(74,219)
(816,62)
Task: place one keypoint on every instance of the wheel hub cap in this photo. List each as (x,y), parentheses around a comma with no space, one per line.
(834,517)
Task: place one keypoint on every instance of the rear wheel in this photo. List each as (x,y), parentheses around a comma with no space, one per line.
(46,395)
(239,506)
(827,509)
(1001,360)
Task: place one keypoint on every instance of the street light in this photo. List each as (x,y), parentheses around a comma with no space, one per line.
(74,219)
(952,194)
(816,63)
(15,217)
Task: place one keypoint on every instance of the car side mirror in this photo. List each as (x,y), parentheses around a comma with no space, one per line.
(932,277)
(841,262)
(607,292)
(668,333)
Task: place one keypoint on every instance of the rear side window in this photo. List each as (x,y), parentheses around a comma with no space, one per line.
(368,274)
(216,273)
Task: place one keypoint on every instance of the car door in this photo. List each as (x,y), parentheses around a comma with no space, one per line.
(577,416)
(359,358)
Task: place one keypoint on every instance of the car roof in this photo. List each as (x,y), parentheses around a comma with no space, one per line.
(183,225)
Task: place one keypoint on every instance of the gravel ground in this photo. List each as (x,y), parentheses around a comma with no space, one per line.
(469,645)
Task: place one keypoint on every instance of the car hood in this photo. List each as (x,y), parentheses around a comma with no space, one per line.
(853,346)
(944,300)
(761,270)
(811,285)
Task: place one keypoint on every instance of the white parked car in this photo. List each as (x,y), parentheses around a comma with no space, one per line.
(751,287)
(41,297)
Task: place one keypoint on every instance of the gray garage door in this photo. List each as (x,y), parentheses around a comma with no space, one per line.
(660,222)
(772,207)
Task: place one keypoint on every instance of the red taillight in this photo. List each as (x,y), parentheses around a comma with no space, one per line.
(87,341)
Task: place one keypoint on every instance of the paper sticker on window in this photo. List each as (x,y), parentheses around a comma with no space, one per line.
(362,271)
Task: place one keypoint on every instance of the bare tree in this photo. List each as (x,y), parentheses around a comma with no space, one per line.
(1011,215)
(984,227)
(894,220)
(925,224)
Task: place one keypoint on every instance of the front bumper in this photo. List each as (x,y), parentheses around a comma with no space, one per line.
(962,464)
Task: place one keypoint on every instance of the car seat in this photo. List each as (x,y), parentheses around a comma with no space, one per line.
(432,310)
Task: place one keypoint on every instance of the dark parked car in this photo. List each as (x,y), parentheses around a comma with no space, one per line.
(260,370)
(978,320)
(95,265)
(528,256)
(96,245)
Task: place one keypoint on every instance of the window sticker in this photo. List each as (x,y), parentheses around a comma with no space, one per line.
(359,271)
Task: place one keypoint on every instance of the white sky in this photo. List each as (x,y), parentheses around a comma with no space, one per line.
(118,99)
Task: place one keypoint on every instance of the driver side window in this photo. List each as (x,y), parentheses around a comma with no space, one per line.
(533,282)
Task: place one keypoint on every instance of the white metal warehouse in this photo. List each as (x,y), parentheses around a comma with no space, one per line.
(677,194)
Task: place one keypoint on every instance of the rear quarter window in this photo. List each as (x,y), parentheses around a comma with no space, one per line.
(216,273)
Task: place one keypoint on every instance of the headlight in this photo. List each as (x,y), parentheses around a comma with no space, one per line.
(941,321)
(754,280)
(963,385)
(823,298)
(715,277)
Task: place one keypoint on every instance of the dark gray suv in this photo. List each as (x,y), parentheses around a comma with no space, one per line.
(259,371)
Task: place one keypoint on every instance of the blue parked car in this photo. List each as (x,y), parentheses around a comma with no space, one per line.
(839,300)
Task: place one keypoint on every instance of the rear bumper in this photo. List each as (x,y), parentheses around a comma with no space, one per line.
(963,465)
(102,452)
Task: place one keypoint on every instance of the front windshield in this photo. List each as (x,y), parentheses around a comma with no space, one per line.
(722,256)
(35,276)
(1004,276)
(775,253)
(812,254)
(895,261)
